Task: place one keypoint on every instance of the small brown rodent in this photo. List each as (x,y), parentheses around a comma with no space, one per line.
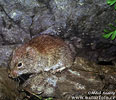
(42,53)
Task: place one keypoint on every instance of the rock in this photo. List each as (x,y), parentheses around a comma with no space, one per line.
(63,85)
(84,76)
(1,41)
(21,18)
(84,64)
(42,21)
(14,36)
(50,31)
(11,33)
(107,73)
(5,53)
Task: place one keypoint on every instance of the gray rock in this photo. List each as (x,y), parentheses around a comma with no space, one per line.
(10,32)
(14,35)
(42,22)
(21,18)
(5,53)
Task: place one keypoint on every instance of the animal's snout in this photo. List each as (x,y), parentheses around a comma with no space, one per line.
(12,73)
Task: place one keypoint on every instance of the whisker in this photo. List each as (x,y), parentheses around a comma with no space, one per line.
(18,80)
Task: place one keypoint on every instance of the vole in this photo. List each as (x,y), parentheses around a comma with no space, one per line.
(42,53)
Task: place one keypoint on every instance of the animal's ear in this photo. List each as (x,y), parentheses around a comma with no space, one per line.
(30,51)
(14,55)
(16,51)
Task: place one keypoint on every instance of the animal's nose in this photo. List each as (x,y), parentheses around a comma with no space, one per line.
(12,74)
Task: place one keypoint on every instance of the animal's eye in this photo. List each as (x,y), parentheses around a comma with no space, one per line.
(20,64)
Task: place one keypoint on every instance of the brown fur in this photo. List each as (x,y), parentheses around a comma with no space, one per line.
(45,43)
(41,53)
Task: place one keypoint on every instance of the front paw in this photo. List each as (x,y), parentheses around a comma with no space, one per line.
(57,70)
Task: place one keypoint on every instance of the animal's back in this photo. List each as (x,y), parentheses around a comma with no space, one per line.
(53,52)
